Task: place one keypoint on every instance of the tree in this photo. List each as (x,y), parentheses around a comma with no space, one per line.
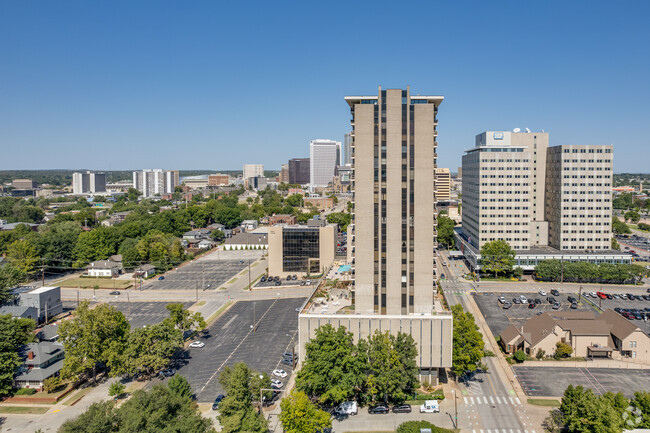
(519,356)
(133,194)
(10,276)
(584,412)
(93,337)
(182,319)
(299,415)
(22,255)
(446,231)
(468,346)
(540,354)
(562,350)
(149,349)
(641,401)
(334,369)
(615,245)
(518,272)
(619,227)
(340,218)
(116,389)
(51,384)
(179,386)
(98,418)
(632,216)
(236,413)
(218,235)
(497,257)
(13,334)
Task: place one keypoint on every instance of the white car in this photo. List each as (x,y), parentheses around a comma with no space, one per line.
(502,299)
(593,294)
(542,292)
(430,406)
(275,383)
(279,373)
(523,299)
(197,344)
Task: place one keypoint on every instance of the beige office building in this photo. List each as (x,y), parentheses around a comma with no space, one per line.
(578,197)
(301,249)
(392,240)
(443,184)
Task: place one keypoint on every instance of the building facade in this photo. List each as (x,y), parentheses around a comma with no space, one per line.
(578,197)
(284,173)
(300,249)
(24,184)
(253,170)
(299,171)
(443,184)
(152,182)
(324,156)
(394,159)
(347,149)
(218,180)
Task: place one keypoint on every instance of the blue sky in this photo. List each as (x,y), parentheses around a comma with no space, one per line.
(212,85)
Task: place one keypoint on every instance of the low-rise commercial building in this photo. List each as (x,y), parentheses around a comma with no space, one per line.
(300,249)
(246,241)
(46,300)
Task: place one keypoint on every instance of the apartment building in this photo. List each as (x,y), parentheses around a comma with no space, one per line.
(324,157)
(578,197)
(152,182)
(253,170)
(443,184)
(284,173)
(544,201)
(218,180)
(299,171)
(88,183)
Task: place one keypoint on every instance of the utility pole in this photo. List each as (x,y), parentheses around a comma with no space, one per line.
(580,294)
(43,276)
(196,288)
(456,408)
(254,326)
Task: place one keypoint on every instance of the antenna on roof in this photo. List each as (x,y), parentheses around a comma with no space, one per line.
(528,130)
(516,130)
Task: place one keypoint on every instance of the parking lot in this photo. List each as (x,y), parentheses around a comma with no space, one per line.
(200,274)
(626,303)
(285,283)
(552,381)
(138,314)
(231,339)
(499,319)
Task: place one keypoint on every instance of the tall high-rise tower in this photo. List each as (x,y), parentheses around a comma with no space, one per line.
(324,156)
(394,228)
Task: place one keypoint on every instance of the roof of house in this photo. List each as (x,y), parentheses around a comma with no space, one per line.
(102,264)
(48,332)
(40,374)
(43,351)
(618,325)
(206,241)
(510,335)
(17,310)
(146,267)
(538,328)
(572,314)
(585,327)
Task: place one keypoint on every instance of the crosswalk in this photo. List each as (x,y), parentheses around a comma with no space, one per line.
(491,400)
(503,430)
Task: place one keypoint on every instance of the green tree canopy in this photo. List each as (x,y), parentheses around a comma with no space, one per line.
(340,218)
(497,257)
(182,319)
(468,346)
(22,255)
(299,415)
(236,413)
(13,334)
(446,231)
(150,349)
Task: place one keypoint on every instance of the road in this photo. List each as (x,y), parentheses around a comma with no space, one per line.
(488,399)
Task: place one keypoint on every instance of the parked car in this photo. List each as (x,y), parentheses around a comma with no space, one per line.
(430,406)
(542,293)
(571,299)
(523,299)
(288,277)
(532,305)
(555,292)
(115,292)
(574,306)
(617,296)
(167,372)
(516,300)
(608,296)
(160,278)
(217,401)
(279,373)
(197,344)
(294,277)
(502,299)
(507,305)
(378,409)
(288,362)
(551,300)
(538,301)
(556,306)
(601,295)
(263,279)
(346,408)
(278,283)
(402,408)
(275,383)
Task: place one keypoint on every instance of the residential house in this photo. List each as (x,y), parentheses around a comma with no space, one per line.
(205,244)
(20,312)
(248,225)
(103,268)
(627,338)
(41,361)
(48,333)
(145,271)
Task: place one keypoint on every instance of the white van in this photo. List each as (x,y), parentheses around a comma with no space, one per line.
(430,406)
(347,408)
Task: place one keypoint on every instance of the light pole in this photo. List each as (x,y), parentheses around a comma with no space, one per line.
(455,409)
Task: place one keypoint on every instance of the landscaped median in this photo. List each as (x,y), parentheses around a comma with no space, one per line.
(24,410)
(420,398)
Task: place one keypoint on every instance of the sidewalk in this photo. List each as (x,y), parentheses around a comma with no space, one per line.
(596,363)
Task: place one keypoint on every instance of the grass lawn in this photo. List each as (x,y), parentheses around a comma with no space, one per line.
(77,395)
(544,402)
(25,410)
(200,303)
(232,281)
(89,283)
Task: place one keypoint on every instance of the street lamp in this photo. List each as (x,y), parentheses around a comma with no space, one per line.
(455,408)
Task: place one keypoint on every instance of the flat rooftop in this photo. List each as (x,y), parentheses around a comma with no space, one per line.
(44,289)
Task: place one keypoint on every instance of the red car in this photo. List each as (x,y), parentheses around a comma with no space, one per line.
(601,295)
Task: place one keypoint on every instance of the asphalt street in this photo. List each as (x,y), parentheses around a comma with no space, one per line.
(552,381)
(231,339)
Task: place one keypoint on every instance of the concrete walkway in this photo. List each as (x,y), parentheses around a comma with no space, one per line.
(596,363)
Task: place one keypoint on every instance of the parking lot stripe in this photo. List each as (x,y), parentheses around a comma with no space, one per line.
(465,398)
(511,400)
(491,400)
(485,399)
(498,400)
(472,400)
(517,398)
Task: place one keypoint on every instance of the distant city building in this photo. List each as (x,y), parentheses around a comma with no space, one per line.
(196,182)
(284,173)
(299,170)
(257,182)
(24,184)
(347,149)
(324,156)
(218,180)
(151,182)
(88,183)
(443,184)
(253,170)
(460,173)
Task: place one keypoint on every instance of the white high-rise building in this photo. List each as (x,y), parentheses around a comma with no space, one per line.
(151,182)
(88,182)
(253,170)
(347,149)
(324,156)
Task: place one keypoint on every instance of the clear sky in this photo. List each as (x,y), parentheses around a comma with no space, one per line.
(215,84)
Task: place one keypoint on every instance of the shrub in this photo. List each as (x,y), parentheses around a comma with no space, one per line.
(116,389)
(540,353)
(438,395)
(26,391)
(643,226)
(415,426)
(562,350)
(519,356)
(51,384)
